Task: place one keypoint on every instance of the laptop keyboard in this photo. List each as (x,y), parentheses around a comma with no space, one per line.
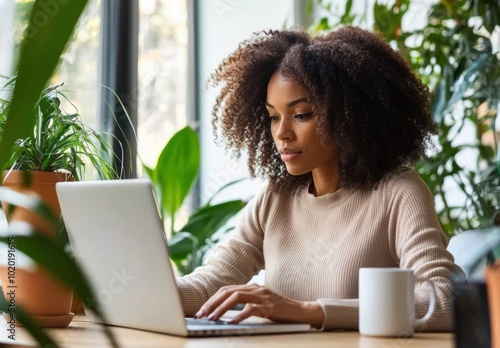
(205,321)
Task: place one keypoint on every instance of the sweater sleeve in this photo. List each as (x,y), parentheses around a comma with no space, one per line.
(417,241)
(235,261)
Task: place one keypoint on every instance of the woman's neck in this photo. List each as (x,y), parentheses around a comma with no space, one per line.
(323,183)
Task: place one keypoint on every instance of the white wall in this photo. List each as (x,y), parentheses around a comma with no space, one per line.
(222,25)
(6,36)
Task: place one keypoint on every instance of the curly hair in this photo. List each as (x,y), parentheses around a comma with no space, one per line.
(365,95)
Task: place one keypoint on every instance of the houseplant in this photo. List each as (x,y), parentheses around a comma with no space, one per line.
(60,141)
(453,54)
(60,148)
(40,52)
(173,178)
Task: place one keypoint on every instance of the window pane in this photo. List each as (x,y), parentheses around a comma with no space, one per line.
(79,66)
(162,75)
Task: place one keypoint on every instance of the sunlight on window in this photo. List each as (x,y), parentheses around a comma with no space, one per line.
(162,75)
(162,69)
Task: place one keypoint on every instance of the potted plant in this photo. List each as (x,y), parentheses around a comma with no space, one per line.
(60,148)
(189,243)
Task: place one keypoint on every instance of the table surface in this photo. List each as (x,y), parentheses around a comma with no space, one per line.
(83,334)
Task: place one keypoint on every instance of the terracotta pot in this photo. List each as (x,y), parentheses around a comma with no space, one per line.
(41,183)
(492,275)
(38,292)
(46,299)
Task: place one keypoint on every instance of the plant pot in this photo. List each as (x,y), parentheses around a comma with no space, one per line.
(37,291)
(493,289)
(41,183)
(46,299)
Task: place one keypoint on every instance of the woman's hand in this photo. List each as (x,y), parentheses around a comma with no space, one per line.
(261,302)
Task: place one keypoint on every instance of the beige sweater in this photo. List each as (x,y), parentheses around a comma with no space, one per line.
(312,248)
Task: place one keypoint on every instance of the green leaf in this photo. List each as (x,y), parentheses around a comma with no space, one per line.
(51,255)
(39,57)
(149,171)
(41,337)
(347,18)
(466,79)
(30,202)
(486,151)
(177,169)
(439,103)
(181,245)
(209,219)
(188,246)
(309,7)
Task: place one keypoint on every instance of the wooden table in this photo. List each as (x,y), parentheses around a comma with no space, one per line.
(84,334)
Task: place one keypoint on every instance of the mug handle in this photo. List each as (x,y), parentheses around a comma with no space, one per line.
(432,302)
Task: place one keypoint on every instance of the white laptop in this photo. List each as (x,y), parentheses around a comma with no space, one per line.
(117,237)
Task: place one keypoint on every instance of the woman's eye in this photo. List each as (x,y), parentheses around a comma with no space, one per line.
(303,116)
(273,118)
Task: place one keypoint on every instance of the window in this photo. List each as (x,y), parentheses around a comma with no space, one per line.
(162,100)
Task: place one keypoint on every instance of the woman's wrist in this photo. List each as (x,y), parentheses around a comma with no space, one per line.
(313,314)
(303,312)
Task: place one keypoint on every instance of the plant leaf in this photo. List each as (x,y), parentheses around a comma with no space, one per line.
(466,79)
(209,219)
(177,168)
(51,255)
(31,202)
(39,57)
(41,337)
(181,245)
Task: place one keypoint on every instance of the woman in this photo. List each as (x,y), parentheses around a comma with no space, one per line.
(333,123)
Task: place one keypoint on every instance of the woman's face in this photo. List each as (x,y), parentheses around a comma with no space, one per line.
(294,128)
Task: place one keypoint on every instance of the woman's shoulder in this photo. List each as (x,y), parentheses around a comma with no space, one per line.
(268,196)
(268,200)
(401,176)
(404,180)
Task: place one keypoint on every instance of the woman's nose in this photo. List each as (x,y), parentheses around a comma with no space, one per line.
(284,130)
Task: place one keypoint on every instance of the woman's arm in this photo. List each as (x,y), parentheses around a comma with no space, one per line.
(235,260)
(418,242)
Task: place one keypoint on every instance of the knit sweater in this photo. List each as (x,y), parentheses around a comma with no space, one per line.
(312,248)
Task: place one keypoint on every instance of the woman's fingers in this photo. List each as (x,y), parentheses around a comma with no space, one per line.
(257,298)
(261,302)
(235,297)
(254,309)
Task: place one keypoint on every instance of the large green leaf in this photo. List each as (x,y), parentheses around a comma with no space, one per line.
(42,338)
(30,202)
(209,219)
(188,246)
(181,245)
(177,168)
(48,253)
(50,26)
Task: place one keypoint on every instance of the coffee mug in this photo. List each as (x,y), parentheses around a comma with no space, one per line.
(387,304)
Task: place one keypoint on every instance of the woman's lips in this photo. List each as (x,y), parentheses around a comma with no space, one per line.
(287,157)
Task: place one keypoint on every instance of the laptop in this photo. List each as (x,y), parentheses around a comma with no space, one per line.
(117,236)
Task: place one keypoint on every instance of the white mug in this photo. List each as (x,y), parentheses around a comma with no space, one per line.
(387,304)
